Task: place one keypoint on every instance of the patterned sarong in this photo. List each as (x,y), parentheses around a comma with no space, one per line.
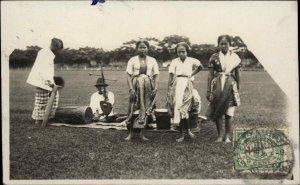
(222,96)
(179,100)
(143,101)
(42,97)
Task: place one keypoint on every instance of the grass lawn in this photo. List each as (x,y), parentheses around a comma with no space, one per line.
(85,153)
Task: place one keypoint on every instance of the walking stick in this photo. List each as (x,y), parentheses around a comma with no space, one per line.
(49,105)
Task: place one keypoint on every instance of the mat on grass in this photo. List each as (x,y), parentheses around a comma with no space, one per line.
(106,126)
(115,126)
(101,125)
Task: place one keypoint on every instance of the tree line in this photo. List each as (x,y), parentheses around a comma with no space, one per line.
(162,50)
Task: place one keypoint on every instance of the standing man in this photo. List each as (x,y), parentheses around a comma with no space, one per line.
(42,77)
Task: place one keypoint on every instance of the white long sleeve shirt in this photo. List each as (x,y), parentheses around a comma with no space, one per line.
(95,102)
(42,70)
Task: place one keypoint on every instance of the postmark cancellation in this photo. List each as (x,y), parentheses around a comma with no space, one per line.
(262,151)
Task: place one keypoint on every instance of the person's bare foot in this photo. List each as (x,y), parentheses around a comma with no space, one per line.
(219,139)
(128,138)
(192,136)
(227,140)
(144,138)
(180,139)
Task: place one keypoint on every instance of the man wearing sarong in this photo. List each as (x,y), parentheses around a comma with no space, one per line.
(142,73)
(41,77)
(223,86)
(180,88)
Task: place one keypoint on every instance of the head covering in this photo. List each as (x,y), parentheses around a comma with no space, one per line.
(100,82)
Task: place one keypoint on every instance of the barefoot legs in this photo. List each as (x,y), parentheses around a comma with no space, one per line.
(219,130)
(228,128)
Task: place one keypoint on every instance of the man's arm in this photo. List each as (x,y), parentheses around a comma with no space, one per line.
(238,77)
(209,79)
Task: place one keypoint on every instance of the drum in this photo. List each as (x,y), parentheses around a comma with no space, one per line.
(163,119)
(74,114)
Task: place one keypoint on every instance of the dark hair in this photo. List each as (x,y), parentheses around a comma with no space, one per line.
(227,37)
(142,41)
(57,43)
(184,44)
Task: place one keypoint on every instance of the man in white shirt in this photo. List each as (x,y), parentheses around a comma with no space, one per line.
(102,103)
(41,77)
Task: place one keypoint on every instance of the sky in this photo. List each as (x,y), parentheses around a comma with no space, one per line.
(268,28)
(110,24)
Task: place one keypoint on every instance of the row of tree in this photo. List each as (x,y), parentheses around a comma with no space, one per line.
(162,50)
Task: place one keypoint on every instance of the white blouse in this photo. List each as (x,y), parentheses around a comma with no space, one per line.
(96,98)
(229,61)
(133,66)
(42,70)
(177,67)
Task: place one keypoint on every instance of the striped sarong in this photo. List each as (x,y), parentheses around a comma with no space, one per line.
(42,97)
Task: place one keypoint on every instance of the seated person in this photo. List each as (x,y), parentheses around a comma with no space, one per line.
(102,111)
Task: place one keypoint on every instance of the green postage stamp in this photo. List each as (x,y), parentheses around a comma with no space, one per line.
(262,151)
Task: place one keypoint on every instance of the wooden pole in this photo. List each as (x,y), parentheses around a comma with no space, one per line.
(49,105)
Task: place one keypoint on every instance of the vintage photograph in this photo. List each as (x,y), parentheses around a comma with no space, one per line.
(150,92)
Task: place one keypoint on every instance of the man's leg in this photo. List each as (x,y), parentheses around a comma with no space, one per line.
(187,128)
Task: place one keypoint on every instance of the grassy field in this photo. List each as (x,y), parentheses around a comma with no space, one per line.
(84,153)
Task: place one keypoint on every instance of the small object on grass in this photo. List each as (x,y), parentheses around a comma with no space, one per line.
(163,119)
(202,117)
(59,81)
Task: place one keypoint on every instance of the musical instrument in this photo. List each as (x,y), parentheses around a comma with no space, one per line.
(105,105)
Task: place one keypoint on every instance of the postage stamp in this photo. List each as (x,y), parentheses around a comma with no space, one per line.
(262,151)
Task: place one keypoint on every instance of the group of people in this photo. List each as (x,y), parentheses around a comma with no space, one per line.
(142,78)
(222,90)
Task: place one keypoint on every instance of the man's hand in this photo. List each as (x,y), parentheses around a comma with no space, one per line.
(47,82)
(208,97)
(153,94)
(132,93)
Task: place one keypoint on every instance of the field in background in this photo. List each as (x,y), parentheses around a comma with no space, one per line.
(83,153)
